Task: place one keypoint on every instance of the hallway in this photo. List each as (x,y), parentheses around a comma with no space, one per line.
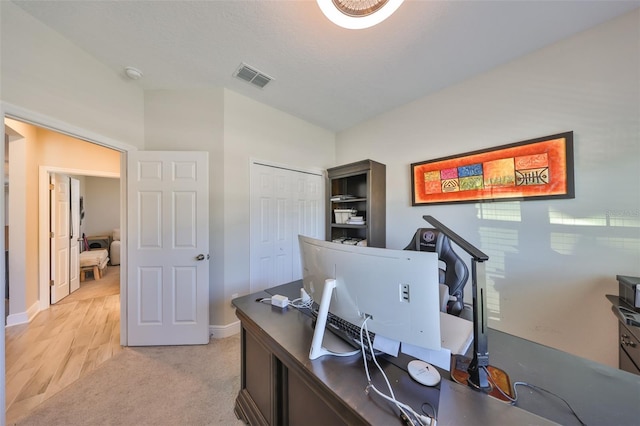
(62,344)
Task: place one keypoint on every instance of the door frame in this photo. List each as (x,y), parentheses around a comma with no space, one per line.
(43,225)
(41,120)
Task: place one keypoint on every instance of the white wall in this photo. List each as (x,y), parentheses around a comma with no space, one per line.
(255,131)
(232,129)
(44,73)
(551,262)
(101,205)
(21,238)
(193,120)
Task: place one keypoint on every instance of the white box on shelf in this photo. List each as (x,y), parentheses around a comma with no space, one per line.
(342,215)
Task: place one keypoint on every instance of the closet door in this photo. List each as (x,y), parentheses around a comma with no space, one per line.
(308,212)
(284,203)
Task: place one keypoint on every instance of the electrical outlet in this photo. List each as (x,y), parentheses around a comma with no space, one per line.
(233,296)
(404,292)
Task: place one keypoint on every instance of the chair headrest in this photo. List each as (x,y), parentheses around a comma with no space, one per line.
(426,239)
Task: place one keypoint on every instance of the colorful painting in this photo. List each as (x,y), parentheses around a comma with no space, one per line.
(539,168)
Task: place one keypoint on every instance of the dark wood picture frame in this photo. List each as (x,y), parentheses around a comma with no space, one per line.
(534,169)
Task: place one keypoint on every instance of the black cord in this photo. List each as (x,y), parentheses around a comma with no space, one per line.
(529,385)
(514,401)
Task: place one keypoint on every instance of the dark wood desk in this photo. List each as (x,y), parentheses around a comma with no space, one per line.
(628,332)
(281,386)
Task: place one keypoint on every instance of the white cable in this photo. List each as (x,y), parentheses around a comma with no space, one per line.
(299,304)
(296,303)
(393,399)
(422,419)
(373,357)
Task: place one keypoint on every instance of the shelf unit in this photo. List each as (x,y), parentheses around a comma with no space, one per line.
(365,182)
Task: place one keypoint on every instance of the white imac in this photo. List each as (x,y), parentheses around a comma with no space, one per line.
(398,290)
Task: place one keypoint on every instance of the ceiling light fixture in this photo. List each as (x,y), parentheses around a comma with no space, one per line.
(358,14)
(133,73)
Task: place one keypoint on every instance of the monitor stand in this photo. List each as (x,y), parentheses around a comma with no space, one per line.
(317,350)
(476,372)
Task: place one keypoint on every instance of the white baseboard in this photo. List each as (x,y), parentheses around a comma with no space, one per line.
(23,317)
(222,331)
(215,331)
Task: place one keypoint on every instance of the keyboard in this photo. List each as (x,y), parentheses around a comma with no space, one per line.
(347,331)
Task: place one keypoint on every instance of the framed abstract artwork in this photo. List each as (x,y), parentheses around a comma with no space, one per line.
(537,169)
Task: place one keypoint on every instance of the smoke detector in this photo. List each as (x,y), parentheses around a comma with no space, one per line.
(252,75)
(133,73)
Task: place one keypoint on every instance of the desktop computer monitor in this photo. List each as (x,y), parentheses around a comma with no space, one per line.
(398,290)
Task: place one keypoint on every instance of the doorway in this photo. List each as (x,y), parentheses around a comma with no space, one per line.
(101,312)
(100,193)
(28,207)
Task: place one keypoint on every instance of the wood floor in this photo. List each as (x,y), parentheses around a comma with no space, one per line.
(62,344)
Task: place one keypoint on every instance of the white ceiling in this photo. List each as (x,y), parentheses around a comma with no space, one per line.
(329,76)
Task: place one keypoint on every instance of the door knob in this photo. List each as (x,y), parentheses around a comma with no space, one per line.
(202,257)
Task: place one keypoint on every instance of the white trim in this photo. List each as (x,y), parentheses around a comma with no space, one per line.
(222,331)
(44,299)
(3,266)
(81,172)
(41,120)
(124,252)
(23,317)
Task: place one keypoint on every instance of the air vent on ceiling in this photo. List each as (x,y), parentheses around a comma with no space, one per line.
(253,76)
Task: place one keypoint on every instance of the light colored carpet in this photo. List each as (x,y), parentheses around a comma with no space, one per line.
(169,385)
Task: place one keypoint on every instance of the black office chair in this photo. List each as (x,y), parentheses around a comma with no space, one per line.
(455,275)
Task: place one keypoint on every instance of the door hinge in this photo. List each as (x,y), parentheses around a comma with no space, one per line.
(51,187)
(50,283)
(51,235)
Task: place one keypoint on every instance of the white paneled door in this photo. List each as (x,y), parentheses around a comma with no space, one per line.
(168,248)
(60,211)
(64,214)
(284,203)
(75,237)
